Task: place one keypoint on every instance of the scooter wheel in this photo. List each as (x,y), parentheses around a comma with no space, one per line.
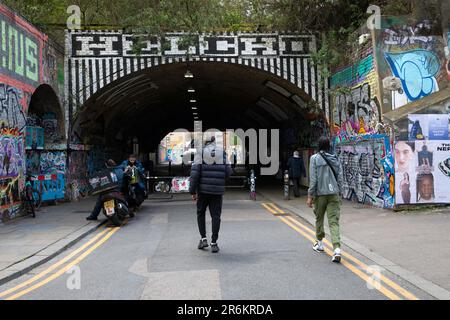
(115,220)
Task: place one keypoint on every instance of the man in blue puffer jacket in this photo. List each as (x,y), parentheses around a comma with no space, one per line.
(207,186)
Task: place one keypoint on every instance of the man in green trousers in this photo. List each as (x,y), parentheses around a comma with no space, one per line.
(325,173)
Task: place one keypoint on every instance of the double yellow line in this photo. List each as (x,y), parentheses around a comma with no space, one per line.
(66,263)
(357,265)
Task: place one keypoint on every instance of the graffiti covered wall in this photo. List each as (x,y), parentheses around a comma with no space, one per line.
(368,170)
(355,102)
(23,68)
(411,61)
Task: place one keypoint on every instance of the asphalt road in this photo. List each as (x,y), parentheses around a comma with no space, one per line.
(265,254)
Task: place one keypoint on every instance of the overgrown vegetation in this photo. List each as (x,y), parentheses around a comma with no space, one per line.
(333,21)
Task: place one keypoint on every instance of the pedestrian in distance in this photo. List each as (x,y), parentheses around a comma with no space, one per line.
(207,186)
(325,173)
(296,171)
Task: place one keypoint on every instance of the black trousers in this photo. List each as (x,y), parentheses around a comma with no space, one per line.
(214,202)
(296,186)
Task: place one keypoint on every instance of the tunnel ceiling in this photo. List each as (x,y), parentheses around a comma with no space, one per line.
(150,103)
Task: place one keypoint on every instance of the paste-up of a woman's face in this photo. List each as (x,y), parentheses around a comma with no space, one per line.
(403,155)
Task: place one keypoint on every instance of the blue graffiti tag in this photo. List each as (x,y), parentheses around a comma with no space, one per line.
(416,70)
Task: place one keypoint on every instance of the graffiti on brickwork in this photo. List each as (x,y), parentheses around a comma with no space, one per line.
(33,162)
(356,112)
(416,70)
(33,120)
(311,134)
(78,174)
(50,125)
(410,36)
(51,186)
(53,162)
(9,198)
(364,171)
(96,160)
(11,156)
(11,110)
(354,74)
(34,138)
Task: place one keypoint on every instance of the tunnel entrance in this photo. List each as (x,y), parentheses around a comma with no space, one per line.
(136,112)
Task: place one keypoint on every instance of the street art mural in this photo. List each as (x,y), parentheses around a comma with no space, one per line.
(356,112)
(12,167)
(77,174)
(21,71)
(411,61)
(53,162)
(367,170)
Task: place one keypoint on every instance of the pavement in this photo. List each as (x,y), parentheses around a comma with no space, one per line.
(411,244)
(28,242)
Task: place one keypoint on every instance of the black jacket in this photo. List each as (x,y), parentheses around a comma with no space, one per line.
(209,178)
(296,167)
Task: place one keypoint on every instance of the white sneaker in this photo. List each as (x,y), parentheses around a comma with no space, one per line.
(336,255)
(318,246)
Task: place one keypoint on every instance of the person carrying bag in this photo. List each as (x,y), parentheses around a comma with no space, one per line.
(324,191)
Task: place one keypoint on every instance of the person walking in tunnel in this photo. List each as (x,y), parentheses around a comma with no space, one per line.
(325,173)
(110,164)
(207,186)
(296,171)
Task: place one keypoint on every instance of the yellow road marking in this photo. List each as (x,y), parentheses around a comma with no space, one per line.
(67,267)
(383,278)
(360,274)
(52,267)
(389,282)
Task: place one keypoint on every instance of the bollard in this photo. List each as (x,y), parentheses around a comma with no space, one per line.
(286,185)
(252,185)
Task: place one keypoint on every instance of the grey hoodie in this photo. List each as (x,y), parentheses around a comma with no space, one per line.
(321,178)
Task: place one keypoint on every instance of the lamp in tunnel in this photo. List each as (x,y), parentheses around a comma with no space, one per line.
(192,101)
(194,108)
(188,74)
(191,90)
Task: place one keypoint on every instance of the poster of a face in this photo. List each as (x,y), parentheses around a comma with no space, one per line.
(404,156)
(422,171)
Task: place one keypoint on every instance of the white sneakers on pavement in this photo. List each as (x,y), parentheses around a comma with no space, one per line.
(318,247)
(336,255)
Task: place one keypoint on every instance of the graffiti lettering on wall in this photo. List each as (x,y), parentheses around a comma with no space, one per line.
(366,170)
(9,198)
(11,156)
(11,110)
(20,50)
(53,162)
(404,35)
(356,112)
(51,186)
